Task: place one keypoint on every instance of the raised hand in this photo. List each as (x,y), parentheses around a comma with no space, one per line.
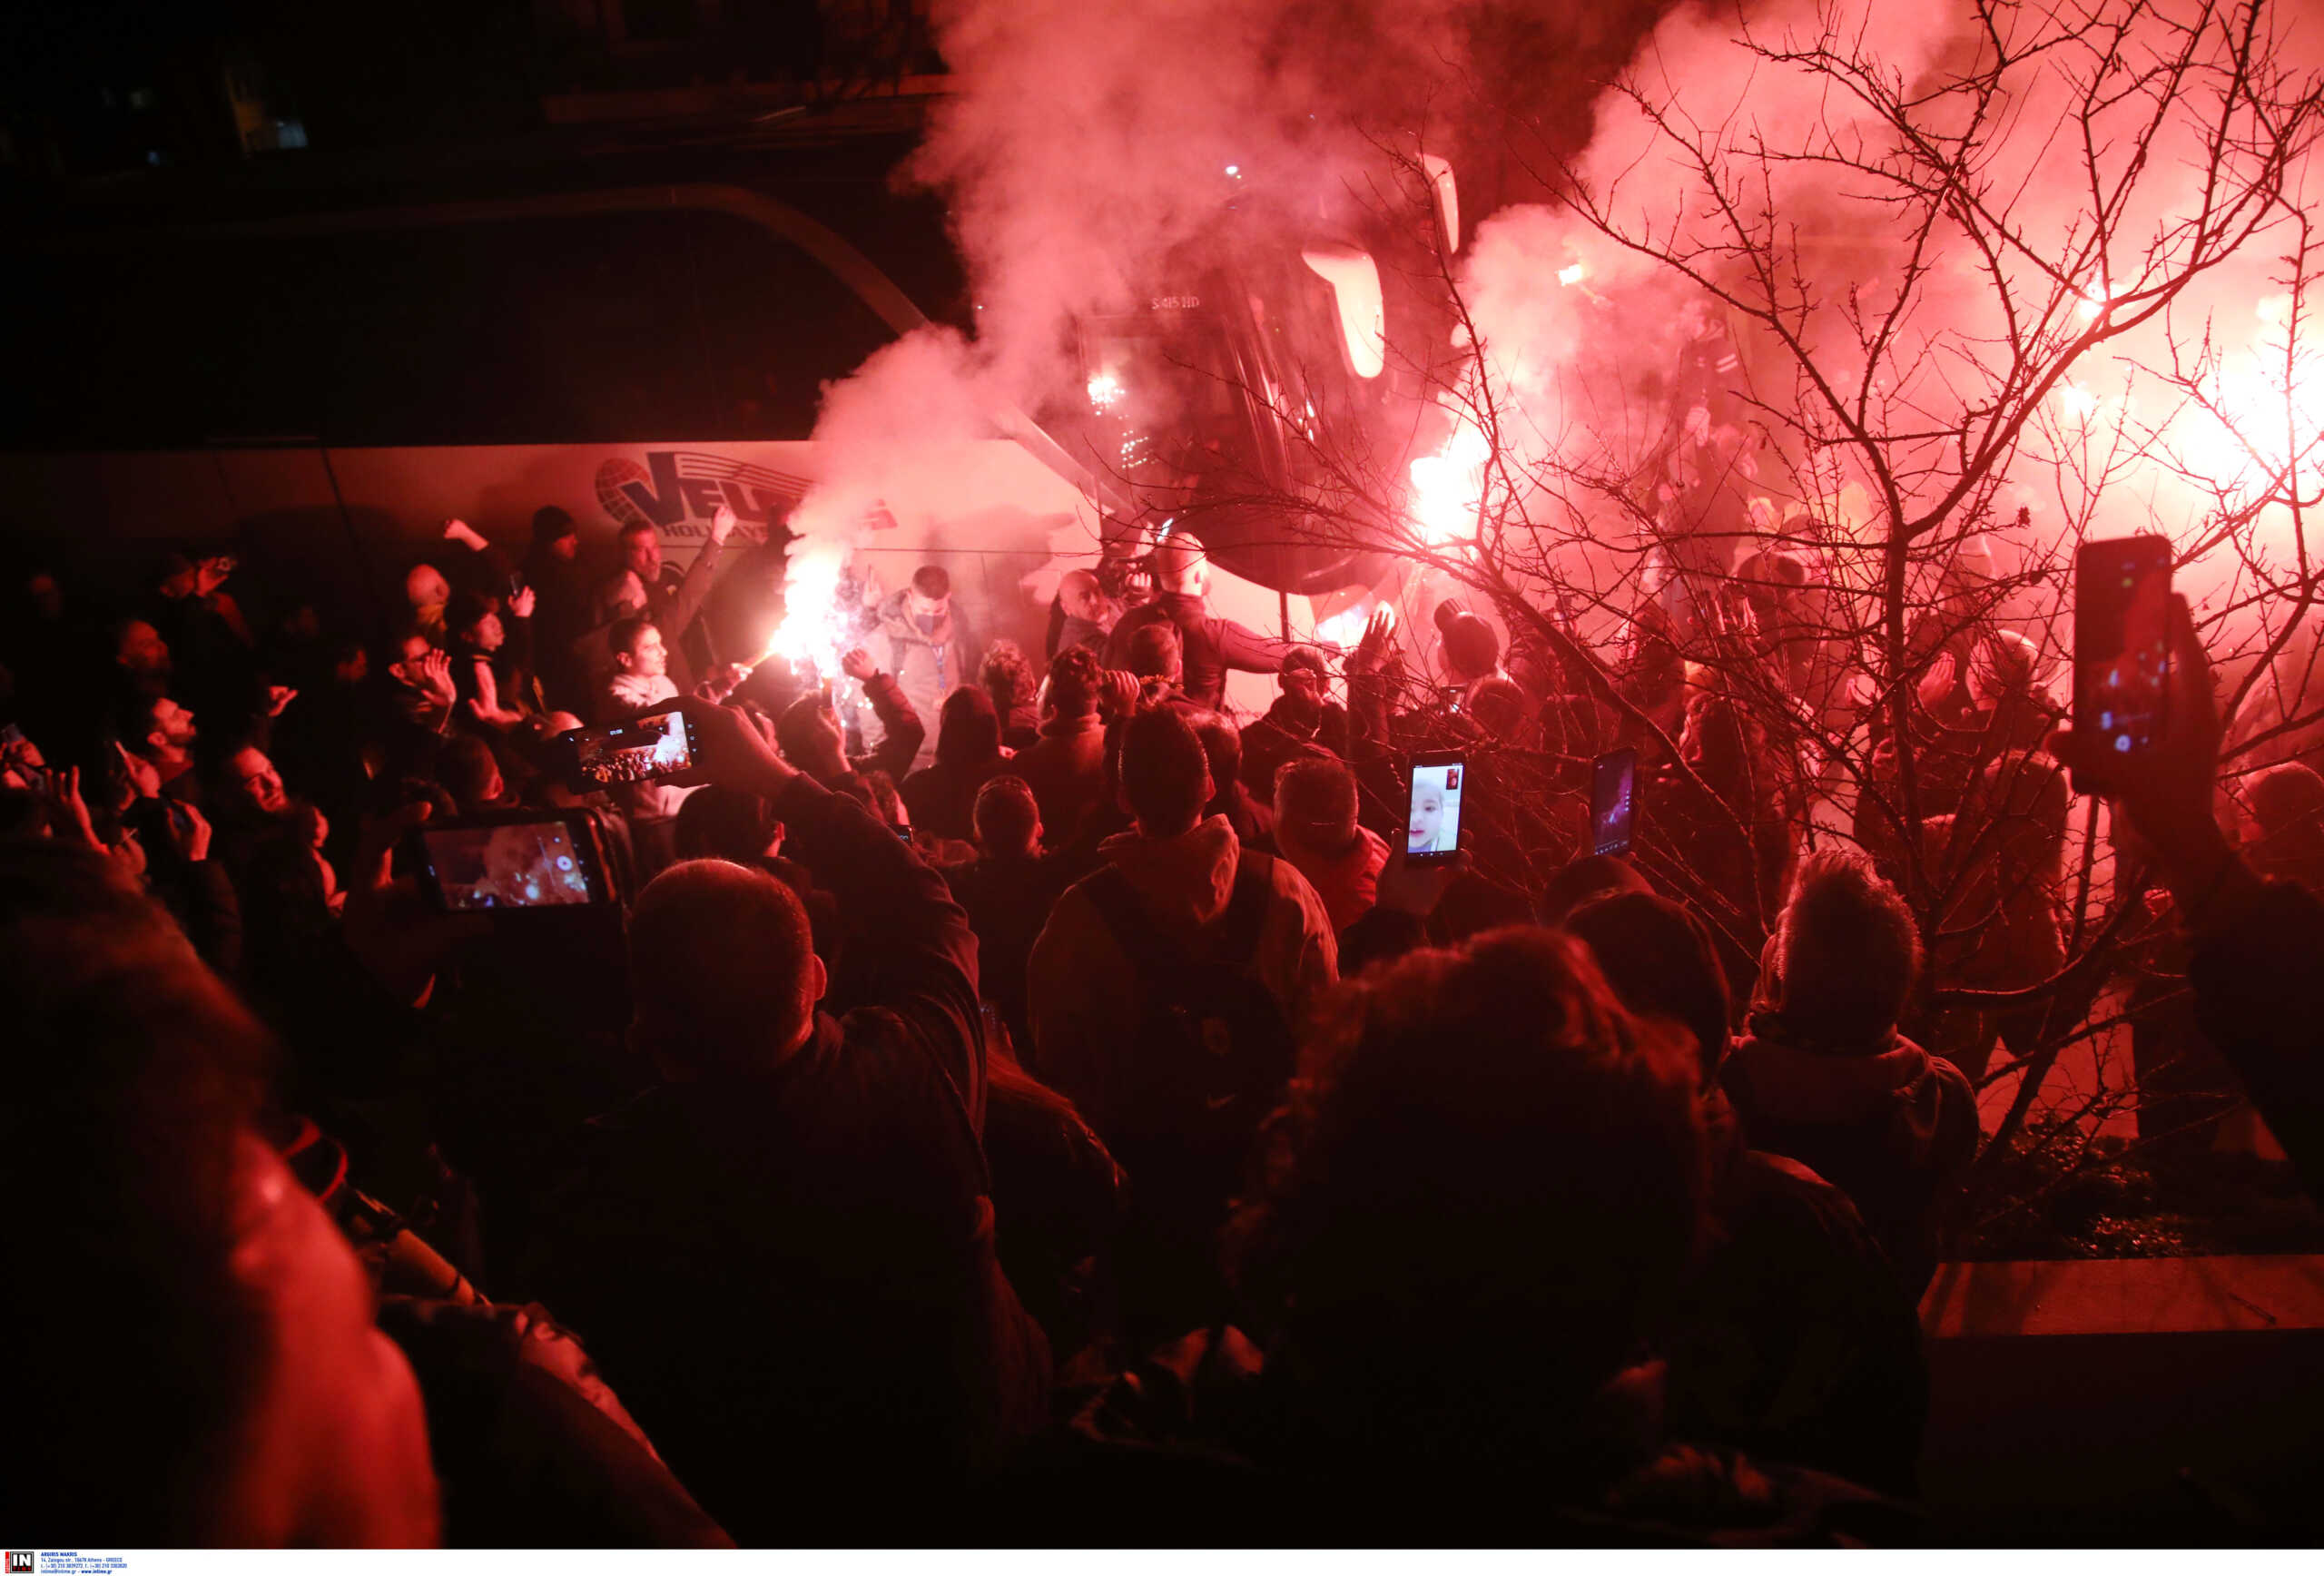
(520,606)
(857,664)
(188,831)
(385,922)
(436,677)
(1118,696)
(2167,794)
(1372,648)
(1417,889)
(143,775)
(729,752)
(64,792)
(722,525)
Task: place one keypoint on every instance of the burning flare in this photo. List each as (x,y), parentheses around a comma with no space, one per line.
(1449,486)
(814,627)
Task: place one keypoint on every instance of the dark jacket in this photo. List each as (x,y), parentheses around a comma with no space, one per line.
(1211,646)
(901,732)
(1008,901)
(830,1215)
(1792,1339)
(1277,739)
(1893,1128)
(942,796)
(1228,1433)
(1065,769)
(1072,631)
(2257,970)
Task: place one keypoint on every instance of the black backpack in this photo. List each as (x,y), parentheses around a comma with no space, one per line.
(1203,1058)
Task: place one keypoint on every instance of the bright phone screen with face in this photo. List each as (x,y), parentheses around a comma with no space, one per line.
(2122,646)
(1613,801)
(1432,811)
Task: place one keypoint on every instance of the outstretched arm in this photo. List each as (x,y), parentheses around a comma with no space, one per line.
(695,586)
(1246,650)
(903,729)
(925,968)
(2258,969)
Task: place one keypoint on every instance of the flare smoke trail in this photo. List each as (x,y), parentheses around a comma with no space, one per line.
(1082,139)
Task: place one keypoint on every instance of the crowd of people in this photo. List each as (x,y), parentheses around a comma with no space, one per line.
(1089,1125)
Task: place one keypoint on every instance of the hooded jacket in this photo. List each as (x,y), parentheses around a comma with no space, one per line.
(1892,1127)
(1348,881)
(1078,983)
(927,663)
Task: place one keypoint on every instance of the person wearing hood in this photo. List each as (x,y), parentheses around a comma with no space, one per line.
(942,797)
(1315,828)
(1165,994)
(1823,1077)
(929,649)
(552,568)
(1790,1337)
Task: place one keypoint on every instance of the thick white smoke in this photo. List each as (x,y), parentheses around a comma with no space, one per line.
(1083,141)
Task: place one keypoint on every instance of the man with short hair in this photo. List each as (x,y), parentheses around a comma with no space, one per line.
(641,675)
(929,648)
(429,594)
(817,1183)
(252,784)
(1156,654)
(1065,766)
(1222,746)
(640,681)
(1164,994)
(1822,1075)
(1315,828)
(141,657)
(1303,721)
(1086,613)
(158,730)
(646,586)
(468,773)
(421,690)
(1212,644)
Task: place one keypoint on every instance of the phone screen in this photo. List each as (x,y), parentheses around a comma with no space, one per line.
(1432,819)
(634,752)
(2121,647)
(1613,800)
(524,864)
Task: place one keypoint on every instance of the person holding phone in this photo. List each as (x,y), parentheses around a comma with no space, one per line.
(1433,817)
(814,1184)
(2257,947)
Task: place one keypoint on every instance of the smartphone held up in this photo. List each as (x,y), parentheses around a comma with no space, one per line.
(511,861)
(1432,812)
(645,749)
(1613,801)
(2121,655)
